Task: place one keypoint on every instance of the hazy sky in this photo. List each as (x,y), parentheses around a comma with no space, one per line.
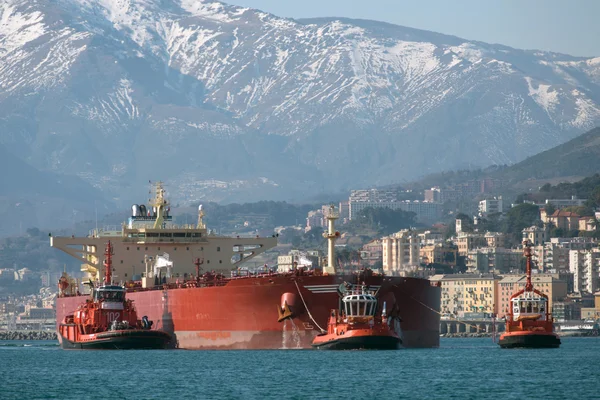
(565,26)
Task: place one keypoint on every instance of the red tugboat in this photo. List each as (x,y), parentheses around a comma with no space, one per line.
(358,327)
(529,322)
(109,321)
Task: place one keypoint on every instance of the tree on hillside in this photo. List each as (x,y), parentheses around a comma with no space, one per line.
(383,220)
(550,208)
(466,222)
(518,218)
(583,211)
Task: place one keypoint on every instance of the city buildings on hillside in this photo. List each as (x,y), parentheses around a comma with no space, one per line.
(430,237)
(491,206)
(439,253)
(554,254)
(296,258)
(535,235)
(483,295)
(494,259)
(374,198)
(424,211)
(568,220)
(549,284)
(561,219)
(372,253)
(400,252)
(469,241)
(468,295)
(563,203)
(585,265)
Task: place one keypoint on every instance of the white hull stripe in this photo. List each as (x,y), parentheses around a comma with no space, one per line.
(322,288)
(331,288)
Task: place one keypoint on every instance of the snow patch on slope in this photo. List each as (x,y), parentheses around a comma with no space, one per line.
(544,95)
(18,29)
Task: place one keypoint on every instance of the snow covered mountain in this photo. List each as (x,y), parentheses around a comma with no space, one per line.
(231,103)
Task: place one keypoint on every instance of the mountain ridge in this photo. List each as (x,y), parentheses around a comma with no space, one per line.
(229,103)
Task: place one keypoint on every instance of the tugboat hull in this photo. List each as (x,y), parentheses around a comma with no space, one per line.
(539,340)
(120,340)
(358,342)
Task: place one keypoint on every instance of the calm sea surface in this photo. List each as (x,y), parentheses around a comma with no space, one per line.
(473,368)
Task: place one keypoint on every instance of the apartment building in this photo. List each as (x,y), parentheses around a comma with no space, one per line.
(491,206)
(535,235)
(585,266)
(463,294)
(494,259)
(400,252)
(469,241)
(439,253)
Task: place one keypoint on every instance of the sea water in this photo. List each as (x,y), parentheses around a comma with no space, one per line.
(462,368)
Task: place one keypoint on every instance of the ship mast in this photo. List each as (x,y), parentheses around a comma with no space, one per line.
(108,264)
(160,204)
(200,218)
(331,235)
(527,253)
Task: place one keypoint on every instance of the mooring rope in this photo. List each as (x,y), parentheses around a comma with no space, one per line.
(306,307)
(452,318)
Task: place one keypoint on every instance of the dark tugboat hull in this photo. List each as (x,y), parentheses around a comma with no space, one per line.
(529,340)
(121,340)
(360,343)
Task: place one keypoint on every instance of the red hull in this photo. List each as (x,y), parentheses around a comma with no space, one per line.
(529,339)
(244,313)
(380,339)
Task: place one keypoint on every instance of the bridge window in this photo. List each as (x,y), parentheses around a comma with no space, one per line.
(218,249)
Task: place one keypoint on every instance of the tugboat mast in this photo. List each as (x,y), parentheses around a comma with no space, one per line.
(527,251)
(108,264)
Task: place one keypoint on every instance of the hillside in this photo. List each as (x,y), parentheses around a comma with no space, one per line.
(579,157)
(32,198)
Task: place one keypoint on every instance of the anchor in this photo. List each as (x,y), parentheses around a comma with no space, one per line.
(284,312)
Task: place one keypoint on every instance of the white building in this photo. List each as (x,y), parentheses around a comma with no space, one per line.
(584,264)
(535,235)
(491,206)
(401,252)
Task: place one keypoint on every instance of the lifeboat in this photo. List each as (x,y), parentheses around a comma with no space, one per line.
(358,326)
(529,323)
(109,321)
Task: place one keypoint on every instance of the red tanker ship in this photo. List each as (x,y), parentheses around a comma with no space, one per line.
(252,311)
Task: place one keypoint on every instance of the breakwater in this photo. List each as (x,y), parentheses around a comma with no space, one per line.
(28,335)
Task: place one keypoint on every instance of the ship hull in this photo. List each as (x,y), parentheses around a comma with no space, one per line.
(528,339)
(244,313)
(119,340)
